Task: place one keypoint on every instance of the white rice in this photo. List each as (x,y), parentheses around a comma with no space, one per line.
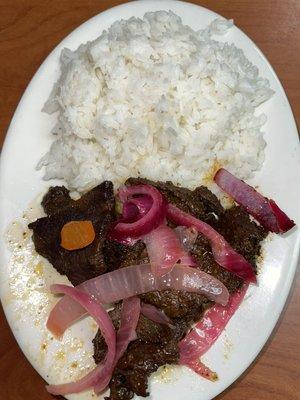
(151,97)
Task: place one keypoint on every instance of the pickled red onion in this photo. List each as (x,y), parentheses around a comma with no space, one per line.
(223,253)
(123,231)
(131,281)
(129,319)
(199,340)
(100,376)
(202,370)
(164,250)
(187,236)
(155,314)
(264,210)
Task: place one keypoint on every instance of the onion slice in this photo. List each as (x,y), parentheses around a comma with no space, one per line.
(131,281)
(129,319)
(155,314)
(199,340)
(143,204)
(100,376)
(187,236)
(130,212)
(136,208)
(203,370)
(223,253)
(187,259)
(264,210)
(148,221)
(164,250)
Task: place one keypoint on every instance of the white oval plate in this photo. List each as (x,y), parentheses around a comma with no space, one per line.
(28,139)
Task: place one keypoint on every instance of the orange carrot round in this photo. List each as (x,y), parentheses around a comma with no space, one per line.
(77,235)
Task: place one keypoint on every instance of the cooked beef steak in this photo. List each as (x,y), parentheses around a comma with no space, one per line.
(178,304)
(56,199)
(117,255)
(147,332)
(199,202)
(210,201)
(234,224)
(182,307)
(137,364)
(156,344)
(202,253)
(244,235)
(97,206)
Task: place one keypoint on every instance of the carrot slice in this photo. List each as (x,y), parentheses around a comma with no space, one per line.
(77,235)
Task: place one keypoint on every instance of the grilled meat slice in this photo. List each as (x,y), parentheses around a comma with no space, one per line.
(199,202)
(137,364)
(244,235)
(147,332)
(97,206)
(202,253)
(117,255)
(234,224)
(210,201)
(178,304)
(156,345)
(56,199)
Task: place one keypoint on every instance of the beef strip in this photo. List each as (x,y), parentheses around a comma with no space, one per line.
(56,199)
(117,255)
(137,364)
(210,201)
(154,341)
(182,304)
(156,345)
(199,202)
(97,206)
(202,253)
(234,224)
(147,332)
(178,304)
(244,235)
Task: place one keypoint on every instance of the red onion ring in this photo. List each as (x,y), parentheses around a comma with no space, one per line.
(100,376)
(136,208)
(143,203)
(152,219)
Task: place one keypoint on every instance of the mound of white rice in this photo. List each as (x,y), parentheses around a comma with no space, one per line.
(151,97)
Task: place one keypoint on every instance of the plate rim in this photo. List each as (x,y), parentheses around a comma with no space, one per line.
(280,305)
